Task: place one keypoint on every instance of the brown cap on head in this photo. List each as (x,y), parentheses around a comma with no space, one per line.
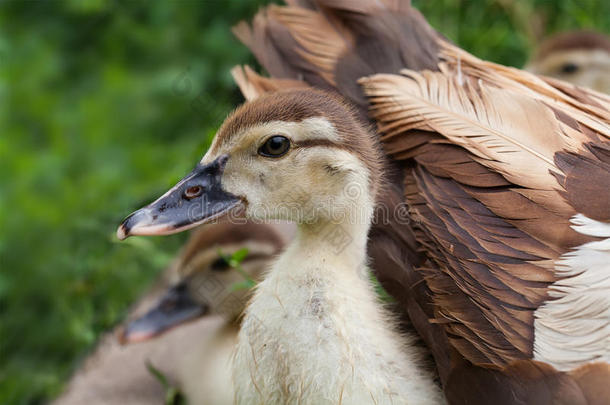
(573,40)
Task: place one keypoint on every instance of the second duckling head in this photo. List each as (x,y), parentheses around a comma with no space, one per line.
(213,275)
(578,57)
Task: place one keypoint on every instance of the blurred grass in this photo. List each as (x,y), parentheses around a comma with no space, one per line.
(103,106)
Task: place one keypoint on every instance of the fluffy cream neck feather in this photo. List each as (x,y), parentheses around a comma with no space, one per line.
(315,333)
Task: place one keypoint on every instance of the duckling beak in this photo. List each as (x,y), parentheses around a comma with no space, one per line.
(176,307)
(196,199)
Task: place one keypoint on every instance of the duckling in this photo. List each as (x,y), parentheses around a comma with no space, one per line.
(314,331)
(579,57)
(196,293)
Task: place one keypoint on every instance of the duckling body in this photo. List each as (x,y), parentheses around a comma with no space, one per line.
(117,374)
(204,372)
(314,333)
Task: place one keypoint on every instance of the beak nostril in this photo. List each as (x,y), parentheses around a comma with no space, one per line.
(193,191)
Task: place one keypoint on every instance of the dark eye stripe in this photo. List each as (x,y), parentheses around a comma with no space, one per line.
(310,143)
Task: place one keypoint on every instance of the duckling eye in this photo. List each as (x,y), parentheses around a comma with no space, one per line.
(569,68)
(219,264)
(275,146)
(193,191)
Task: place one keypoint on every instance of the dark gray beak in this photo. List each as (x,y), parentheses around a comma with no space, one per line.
(175,308)
(196,199)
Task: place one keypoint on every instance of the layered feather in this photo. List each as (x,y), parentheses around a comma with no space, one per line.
(511,134)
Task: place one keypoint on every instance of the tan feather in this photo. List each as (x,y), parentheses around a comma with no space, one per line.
(506,131)
(246,85)
(252,85)
(321,44)
(590,108)
(584,95)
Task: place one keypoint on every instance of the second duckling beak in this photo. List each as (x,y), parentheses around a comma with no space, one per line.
(196,199)
(176,307)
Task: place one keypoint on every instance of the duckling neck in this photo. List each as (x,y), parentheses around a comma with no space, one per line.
(340,246)
(314,332)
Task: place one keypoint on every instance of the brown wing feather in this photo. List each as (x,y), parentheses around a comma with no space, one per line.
(336,42)
(276,49)
(475,255)
(393,252)
(528,382)
(496,242)
(583,176)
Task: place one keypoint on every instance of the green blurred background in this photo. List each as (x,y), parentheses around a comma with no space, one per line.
(103,105)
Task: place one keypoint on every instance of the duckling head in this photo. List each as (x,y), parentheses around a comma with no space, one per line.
(578,57)
(298,155)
